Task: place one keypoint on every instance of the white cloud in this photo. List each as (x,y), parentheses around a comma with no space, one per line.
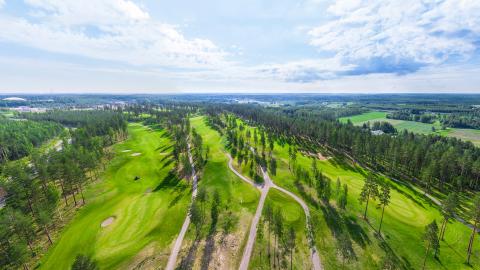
(2,2)
(114,30)
(401,31)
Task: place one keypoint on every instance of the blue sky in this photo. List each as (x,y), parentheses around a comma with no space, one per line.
(156,46)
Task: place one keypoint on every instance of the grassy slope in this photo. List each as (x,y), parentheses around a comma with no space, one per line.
(146,223)
(294,217)
(404,221)
(236,195)
(403,225)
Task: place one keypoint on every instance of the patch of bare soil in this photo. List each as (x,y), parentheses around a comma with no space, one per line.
(223,257)
(107,222)
(322,157)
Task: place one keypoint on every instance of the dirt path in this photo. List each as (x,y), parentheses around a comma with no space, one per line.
(268,183)
(178,243)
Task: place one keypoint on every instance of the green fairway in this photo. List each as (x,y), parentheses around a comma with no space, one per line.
(148,212)
(294,217)
(236,196)
(403,226)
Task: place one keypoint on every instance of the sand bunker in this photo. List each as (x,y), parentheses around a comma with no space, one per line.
(107,222)
(128,150)
(136,154)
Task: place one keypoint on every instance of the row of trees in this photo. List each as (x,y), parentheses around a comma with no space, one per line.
(432,160)
(34,188)
(284,239)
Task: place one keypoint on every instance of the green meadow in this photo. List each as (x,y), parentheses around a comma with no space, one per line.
(471,135)
(236,196)
(145,214)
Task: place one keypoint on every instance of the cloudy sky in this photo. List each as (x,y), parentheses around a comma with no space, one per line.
(145,46)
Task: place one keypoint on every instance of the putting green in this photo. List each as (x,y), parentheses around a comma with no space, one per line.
(148,212)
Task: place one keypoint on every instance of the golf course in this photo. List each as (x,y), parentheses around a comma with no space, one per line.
(132,214)
(219,248)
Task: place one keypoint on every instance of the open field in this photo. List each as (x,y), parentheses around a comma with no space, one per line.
(218,250)
(140,217)
(417,127)
(403,225)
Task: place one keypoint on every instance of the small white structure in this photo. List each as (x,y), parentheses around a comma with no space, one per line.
(377,132)
(14,99)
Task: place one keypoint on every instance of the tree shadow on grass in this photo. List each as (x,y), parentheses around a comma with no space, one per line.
(333,219)
(188,260)
(166,164)
(356,231)
(170,181)
(208,251)
(305,195)
(400,262)
(164,148)
(345,164)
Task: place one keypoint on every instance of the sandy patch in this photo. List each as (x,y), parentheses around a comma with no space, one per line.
(107,222)
(124,151)
(322,157)
(136,154)
(318,155)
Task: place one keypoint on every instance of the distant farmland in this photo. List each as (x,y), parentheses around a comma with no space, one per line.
(417,127)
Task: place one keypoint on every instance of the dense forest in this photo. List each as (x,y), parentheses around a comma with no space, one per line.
(432,160)
(34,188)
(18,138)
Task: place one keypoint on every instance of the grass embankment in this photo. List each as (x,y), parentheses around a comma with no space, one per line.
(403,226)
(217,250)
(147,212)
(471,135)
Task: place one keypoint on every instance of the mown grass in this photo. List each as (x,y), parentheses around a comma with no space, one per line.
(148,212)
(403,226)
(218,249)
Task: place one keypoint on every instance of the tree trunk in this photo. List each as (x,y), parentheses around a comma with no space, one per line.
(444,226)
(274,251)
(74,198)
(81,193)
(291,255)
(366,207)
(381,220)
(48,234)
(426,255)
(63,193)
(470,243)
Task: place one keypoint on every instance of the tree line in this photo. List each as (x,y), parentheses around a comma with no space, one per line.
(429,159)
